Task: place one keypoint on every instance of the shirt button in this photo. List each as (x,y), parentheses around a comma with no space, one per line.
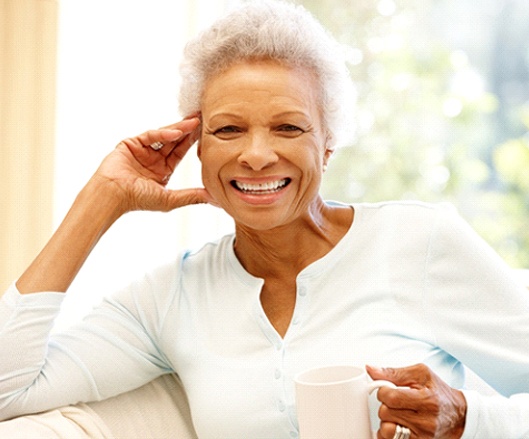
(293,434)
(295,321)
(281,406)
(302,292)
(277,374)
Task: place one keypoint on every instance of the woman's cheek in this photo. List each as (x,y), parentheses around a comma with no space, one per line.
(210,177)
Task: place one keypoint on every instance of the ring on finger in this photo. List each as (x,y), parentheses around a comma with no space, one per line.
(156,145)
(402,432)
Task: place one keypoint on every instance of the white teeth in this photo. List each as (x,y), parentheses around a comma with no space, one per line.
(267,187)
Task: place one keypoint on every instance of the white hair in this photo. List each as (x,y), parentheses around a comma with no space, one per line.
(280,31)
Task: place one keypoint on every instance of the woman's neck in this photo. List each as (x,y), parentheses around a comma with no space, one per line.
(282,252)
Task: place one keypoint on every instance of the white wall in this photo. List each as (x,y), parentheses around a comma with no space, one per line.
(117,77)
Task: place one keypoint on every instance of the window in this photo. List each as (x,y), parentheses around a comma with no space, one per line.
(443,109)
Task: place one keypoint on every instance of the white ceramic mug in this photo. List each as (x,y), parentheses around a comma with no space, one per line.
(332,402)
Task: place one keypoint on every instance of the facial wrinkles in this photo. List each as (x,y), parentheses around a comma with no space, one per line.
(260,114)
(257,102)
(260,94)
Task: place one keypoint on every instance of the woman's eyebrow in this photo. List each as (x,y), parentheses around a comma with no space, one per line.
(238,117)
(291,113)
(224,114)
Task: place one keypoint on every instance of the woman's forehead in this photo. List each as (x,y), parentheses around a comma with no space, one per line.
(261,83)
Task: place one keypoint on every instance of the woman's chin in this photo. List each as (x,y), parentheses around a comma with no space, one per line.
(261,219)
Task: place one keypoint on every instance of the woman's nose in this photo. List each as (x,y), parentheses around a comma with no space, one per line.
(258,153)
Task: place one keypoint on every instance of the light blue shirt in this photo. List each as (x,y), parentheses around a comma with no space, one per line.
(409,283)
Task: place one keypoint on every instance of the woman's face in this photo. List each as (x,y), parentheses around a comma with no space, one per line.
(263,144)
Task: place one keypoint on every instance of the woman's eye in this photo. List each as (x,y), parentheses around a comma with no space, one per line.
(227,130)
(290,129)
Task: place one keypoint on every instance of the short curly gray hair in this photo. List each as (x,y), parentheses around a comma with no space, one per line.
(275,30)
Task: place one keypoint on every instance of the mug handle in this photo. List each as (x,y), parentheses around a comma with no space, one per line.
(377,384)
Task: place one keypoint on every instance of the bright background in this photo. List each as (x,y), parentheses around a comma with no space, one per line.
(443,115)
(118,77)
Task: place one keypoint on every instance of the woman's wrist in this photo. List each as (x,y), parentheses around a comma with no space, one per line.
(102,200)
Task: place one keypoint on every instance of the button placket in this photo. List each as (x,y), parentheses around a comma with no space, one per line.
(302,291)
(300,305)
(302,301)
(278,380)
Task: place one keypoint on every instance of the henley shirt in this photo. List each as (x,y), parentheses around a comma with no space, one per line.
(408,283)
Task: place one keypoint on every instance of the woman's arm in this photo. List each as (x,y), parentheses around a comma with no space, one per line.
(93,212)
(132,177)
(110,351)
(479,314)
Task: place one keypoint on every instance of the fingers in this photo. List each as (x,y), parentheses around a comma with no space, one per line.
(429,407)
(180,149)
(414,388)
(169,136)
(423,419)
(403,416)
(157,138)
(400,406)
(389,430)
(418,374)
(181,124)
(185,197)
(158,152)
(136,158)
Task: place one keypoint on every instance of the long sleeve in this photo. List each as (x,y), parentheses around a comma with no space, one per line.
(480,314)
(114,349)
(497,416)
(25,323)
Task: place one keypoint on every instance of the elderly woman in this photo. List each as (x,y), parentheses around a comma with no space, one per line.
(302,282)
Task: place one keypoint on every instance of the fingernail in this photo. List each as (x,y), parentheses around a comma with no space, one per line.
(178,133)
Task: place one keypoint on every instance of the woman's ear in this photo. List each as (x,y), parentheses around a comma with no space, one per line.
(199,147)
(326,157)
(196,135)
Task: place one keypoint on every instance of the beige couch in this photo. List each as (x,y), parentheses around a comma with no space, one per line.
(158,410)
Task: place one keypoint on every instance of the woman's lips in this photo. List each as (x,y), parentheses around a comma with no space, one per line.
(262,188)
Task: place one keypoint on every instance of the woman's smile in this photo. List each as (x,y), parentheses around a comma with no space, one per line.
(261,188)
(263,143)
(258,192)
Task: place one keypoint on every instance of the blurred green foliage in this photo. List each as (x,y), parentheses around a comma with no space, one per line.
(433,119)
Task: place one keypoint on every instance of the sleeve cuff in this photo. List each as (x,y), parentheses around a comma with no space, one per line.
(472,418)
(14,298)
(496,416)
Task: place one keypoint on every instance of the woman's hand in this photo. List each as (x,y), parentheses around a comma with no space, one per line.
(137,174)
(429,408)
(132,177)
